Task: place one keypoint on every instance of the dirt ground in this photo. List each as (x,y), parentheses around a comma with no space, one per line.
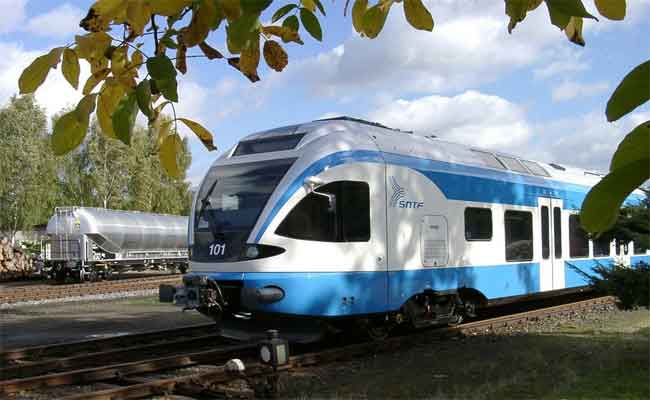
(601,356)
(59,322)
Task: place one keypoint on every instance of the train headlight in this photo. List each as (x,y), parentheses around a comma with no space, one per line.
(273,350)
(252,251)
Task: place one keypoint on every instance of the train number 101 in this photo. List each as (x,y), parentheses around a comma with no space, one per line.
(217,249)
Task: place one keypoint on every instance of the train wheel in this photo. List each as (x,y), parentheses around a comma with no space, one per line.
(377,329)
(59,275)
(182,268)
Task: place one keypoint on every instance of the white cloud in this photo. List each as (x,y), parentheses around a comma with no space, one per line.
(587,141)
(469,46)
(12,15)
(60,22)
(568,90)
(564,62)
(471,117)
(54,95)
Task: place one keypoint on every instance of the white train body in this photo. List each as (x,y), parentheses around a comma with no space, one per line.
(410,215)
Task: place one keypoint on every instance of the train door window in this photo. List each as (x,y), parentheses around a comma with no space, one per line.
(557,231)
(478,223)
(602,245)
(519,235)
(546,243)
(336,212)
(513,164)
(578,239)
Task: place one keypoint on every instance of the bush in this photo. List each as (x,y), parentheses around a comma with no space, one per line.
(630,285)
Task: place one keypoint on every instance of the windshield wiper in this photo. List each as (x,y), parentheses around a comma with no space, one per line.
(205,201)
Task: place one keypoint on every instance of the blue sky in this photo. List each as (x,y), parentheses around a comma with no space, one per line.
(532,93)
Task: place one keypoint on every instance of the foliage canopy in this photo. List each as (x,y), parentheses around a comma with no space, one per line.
(137,71)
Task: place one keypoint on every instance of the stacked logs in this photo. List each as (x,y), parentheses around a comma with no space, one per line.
(14,262)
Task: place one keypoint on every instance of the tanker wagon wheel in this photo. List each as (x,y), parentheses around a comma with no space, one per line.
(59,274)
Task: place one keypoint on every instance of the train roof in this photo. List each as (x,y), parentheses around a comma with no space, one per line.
(294,140)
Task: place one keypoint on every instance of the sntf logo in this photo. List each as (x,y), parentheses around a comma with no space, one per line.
(398,199)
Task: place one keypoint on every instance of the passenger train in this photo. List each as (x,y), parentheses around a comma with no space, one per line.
(342,220)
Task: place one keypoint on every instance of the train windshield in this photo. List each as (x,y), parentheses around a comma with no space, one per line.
(228,205)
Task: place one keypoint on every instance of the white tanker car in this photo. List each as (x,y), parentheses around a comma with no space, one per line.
(87,243)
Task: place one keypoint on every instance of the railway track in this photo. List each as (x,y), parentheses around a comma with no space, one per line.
(11,295)
(136,366)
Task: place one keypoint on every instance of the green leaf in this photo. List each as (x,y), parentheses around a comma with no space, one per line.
(124,118)
(635,146)
(161,68)
(35,74)
(358,11)
(203,134)
(70,67)
(169,148)
(311,24)
(571,8)
(374,20)
(282,11)
(600,207)
(417,15)
(71,128)
(558,18)
(169,42)
(143,96)
(239,31)
(255,6)
(168,88)
(633,91)
(292,23)
(612,9)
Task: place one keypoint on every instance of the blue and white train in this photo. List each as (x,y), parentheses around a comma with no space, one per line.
(343,219)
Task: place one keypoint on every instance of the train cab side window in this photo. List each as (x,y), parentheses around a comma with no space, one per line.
(336,212)
(578,239)
(519,235)
(478,223)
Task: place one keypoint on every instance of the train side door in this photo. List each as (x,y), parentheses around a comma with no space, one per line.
(551,257)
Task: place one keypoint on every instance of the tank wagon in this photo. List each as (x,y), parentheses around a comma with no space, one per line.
(345,220)
(86,243)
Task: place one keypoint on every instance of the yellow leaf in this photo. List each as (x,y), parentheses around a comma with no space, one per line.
(136,59)
(612,9)
(417,15)
(71,128)
(275,55)
(119,60)
(138,14)
(358,11)
(203,134)
(102,12)
(375,18)
(70,67)
(286,34)
(199,28)
(309,4)
(94,80)
(573,31)
(92,47)
(35,74)
(250,57)
(169,8)
(109,97)
(169,149)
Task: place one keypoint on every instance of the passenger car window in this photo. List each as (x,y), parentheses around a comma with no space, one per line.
(601,246)
(478,223)
(343,217)
(513,164)
(536,168)
(519,235)
(489,159)
(578,239)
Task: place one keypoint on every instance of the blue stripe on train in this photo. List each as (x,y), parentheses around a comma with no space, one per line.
(456,181)
(640,258)
(350,293)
